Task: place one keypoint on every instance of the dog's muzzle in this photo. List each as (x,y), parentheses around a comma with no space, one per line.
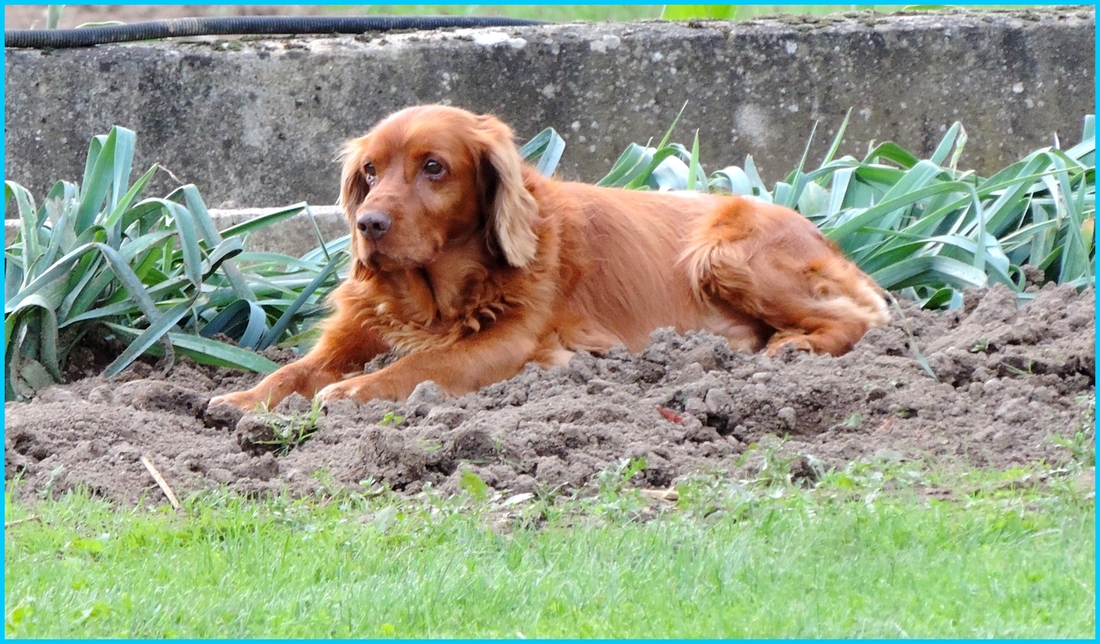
(373,224)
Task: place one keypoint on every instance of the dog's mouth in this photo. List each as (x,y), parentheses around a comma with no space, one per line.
(397,253)
(383,261)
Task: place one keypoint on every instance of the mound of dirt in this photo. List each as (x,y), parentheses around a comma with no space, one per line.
(1007,380)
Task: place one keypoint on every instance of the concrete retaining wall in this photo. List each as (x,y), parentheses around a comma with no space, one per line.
(258,121)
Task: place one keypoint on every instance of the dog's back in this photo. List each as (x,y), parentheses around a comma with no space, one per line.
(751,271)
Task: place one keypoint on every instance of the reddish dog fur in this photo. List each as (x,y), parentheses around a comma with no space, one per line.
(470,264)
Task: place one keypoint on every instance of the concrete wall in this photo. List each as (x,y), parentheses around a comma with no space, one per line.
(258,121)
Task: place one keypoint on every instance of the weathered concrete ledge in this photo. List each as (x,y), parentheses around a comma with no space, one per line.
(259,121)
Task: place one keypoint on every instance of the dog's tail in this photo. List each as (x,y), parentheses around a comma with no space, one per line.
(719,270)
(717,256)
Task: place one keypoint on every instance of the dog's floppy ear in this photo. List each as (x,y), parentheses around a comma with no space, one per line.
(353,186)
(353,191)
(512,209)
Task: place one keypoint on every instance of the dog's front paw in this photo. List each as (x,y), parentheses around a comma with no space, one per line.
(359,389)
(345,390)
(245,400)
(779,343)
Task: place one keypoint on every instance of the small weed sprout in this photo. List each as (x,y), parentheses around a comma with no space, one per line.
(771,467)
(293,429)
(391,419)
(613,496)
(705,493)
(427,445)
(981,346)
(1082,447)
(612,481)
(472,483)
(327,481)
(1018,372)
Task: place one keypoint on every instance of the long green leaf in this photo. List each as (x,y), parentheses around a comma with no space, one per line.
(207,351)
(188,241)
(112,311)
(28,223)
(929,268)
(946,143)
(123,159)
(200,216)
(831,153)
(62,234)
(227,249)
(283,322)
(262,221)
(60,270)
(42,305)
(111,165)
(675,121)
(900,201)
(196,209)
(230,319)
(632,162)
(731,179)
(548,147)
(148,337)
(891,151)
(113,221)
(95,282)
(694,169)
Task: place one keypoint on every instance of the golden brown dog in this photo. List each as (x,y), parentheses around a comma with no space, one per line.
(470,264)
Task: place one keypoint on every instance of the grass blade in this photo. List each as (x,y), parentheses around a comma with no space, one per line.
(668,134)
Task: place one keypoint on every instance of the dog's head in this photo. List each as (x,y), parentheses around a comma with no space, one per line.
(431,178)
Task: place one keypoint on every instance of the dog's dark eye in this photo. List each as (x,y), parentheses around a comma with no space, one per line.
(433,168)
(370,173)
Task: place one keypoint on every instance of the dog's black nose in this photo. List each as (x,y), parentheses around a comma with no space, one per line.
(373,224)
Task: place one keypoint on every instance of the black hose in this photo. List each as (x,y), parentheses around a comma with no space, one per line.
(266,25)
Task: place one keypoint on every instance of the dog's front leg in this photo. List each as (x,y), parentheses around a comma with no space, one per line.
(459,368)
(344,347)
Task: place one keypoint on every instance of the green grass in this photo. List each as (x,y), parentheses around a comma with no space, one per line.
(865,554)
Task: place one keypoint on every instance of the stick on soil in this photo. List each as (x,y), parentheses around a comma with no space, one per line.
(161,482)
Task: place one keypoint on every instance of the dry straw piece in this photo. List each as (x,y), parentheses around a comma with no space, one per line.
(161,482)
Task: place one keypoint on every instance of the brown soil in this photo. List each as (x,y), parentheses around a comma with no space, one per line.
(1009,380)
